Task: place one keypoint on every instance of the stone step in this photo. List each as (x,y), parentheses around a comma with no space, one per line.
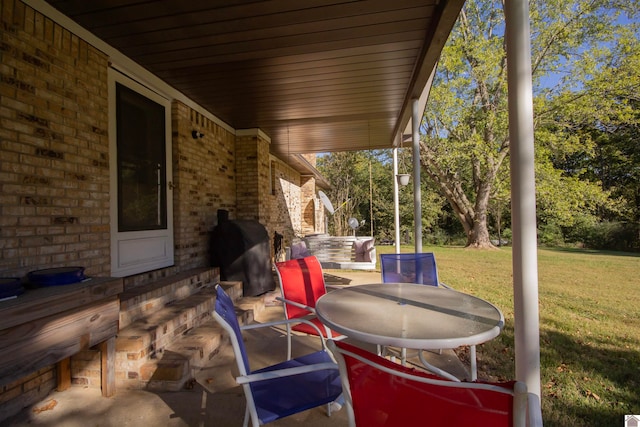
(146,349)
(137,303)
(145,337)
(176,365)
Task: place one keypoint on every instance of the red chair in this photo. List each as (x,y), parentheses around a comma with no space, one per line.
(381,393)
(302,283)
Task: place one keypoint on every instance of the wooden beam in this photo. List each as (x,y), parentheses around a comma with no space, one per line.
(108,366)
(63,374)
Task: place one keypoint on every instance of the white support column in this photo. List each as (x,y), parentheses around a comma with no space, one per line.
(523,195)
(396,198)
(416,118)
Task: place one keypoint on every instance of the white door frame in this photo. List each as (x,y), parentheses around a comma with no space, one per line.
(138,251)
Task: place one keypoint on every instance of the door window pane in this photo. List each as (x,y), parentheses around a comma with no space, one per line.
(142,179)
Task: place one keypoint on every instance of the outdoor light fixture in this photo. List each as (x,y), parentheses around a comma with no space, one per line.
(196,134)
(403,178)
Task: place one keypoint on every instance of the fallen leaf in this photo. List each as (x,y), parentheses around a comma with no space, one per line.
(49,406)
(592,394)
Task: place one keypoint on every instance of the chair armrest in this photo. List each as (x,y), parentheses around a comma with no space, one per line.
(305,318)
(280,322)
(297,304)
(287,372)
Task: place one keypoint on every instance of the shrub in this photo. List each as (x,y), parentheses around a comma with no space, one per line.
(617,236)
(550,235)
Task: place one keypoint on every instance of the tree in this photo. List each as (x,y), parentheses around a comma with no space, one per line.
(347,175)
(369,197)
(465,137)
(604,118)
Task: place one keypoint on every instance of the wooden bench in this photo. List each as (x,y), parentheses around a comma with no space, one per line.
(49,325)
(338,252)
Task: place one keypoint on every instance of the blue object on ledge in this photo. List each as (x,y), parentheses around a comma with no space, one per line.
(10,287)
(56,276)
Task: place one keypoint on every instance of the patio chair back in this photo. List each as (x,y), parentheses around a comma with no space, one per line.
(301,281)
(225,314)
(409,268)
(282,389)
(379,393)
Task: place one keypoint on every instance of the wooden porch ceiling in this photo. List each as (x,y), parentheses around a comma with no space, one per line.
(314,75)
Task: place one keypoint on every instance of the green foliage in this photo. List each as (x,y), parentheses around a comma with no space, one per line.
(606,235)
(550,234)
(586,71)
(586,117)
(348,173)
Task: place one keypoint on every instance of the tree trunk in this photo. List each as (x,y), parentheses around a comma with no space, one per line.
(478,236)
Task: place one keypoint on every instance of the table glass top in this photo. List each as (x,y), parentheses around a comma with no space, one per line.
(408,315)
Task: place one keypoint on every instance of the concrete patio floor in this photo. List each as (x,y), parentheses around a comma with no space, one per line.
(213,400)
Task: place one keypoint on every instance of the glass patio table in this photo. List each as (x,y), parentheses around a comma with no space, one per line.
(413,316)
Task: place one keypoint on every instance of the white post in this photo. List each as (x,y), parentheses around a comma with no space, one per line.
(523,195)
(416,118)
(396,198)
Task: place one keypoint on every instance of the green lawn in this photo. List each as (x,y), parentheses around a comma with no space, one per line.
(589,327)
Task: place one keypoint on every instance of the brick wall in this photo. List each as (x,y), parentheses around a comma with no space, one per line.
(54,175)
(247,164)
(204,181)
(18,394)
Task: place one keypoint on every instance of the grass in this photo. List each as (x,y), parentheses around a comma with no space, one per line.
(589,327)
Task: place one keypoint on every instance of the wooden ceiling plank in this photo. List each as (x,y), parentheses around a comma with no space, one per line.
(198,18)
(288,31)
(264,73)
(366,78)
(214,47)
(409,40)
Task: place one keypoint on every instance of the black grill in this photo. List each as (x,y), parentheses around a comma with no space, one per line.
(241,249)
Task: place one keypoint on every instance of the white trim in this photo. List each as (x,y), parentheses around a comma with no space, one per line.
(123,63)
(159,242)
(253,132)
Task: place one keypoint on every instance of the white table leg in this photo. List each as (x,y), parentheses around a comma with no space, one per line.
(435,370)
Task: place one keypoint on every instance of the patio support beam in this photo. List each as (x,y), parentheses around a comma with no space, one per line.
(396,196)
(523,195)
(416,118)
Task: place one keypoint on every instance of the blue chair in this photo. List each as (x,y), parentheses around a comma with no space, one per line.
(410,268)
(283,389)
(417,268)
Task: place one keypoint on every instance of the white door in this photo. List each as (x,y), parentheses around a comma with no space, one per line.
(140,166)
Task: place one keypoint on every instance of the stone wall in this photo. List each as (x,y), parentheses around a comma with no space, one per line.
(285,202)
(308,206)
